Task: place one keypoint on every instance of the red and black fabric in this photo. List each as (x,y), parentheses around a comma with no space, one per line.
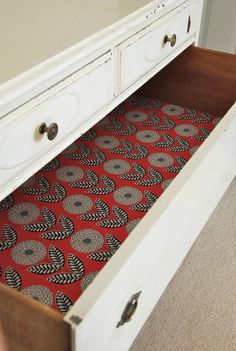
(59,228)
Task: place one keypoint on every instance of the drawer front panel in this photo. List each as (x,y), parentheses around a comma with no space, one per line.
(70,104)
(144,51)
(150,256)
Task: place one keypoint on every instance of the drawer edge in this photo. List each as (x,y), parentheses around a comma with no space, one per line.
(112,275)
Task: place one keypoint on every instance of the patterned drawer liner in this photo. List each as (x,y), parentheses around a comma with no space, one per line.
(60,227)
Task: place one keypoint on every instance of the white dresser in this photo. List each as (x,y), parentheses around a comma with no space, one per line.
(64,66)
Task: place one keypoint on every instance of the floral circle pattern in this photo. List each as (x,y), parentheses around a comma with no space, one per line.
(131,225)
(23,213)
(69,173)
(136,116)
(39,293)
(87,240)
(116,166)
(77,204)
(172,110)
(147,136)
(187,130)
(107,142)
(87,280)
(161,159)
(58,232)
(127,195)
(28,252)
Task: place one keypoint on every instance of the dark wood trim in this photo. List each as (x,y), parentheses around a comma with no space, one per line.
(198,78)
(27,325)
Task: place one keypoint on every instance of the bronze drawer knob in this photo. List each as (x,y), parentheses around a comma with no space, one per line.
(171,40)
(129,310)
(51,131)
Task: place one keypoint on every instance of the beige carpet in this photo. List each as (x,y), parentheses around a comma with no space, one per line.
(197,312)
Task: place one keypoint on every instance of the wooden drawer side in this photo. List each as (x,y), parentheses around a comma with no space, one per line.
(199,78)
(28,325)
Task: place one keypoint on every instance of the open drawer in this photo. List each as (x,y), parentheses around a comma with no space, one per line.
(132,281)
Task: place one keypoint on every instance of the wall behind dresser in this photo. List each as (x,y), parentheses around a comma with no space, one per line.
(219,25)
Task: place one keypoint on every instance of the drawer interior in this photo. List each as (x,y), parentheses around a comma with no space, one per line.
(198,78)
(62,226)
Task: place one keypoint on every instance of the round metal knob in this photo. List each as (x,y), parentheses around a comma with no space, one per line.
(171,40)
(129,310)
(51,131)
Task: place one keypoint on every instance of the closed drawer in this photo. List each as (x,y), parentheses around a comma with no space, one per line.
(69,105)
(137,274)
(146,49)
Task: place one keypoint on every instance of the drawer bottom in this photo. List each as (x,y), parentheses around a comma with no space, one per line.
(62,225)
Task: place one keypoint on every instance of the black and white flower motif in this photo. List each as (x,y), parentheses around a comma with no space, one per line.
(160,159)
(131,225)
(69,173)
(136,116)
(77,271)
(39,293)
(119,219)
(58,261)
(87,240)
(28,252)
(87,280)
(113,244)
(43,186)
(77,204)
(166,183)
(13,278)
(107,142)
(172,110)
(186,130)
(116,166)
(147,136)
(58,195)
(23,213)
(63,302)
(127,195)
(10,237)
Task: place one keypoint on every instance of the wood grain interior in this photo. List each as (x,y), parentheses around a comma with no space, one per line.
(198,78)
(26,324)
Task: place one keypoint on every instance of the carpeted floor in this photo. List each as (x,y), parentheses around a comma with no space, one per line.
(197,312)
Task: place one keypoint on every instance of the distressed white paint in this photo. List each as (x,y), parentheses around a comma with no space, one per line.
(147,48)
(58,44)
(69,104)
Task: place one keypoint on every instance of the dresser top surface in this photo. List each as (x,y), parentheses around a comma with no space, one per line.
(33,31)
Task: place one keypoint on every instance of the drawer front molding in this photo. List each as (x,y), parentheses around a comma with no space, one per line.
(146,49)
(70,104)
